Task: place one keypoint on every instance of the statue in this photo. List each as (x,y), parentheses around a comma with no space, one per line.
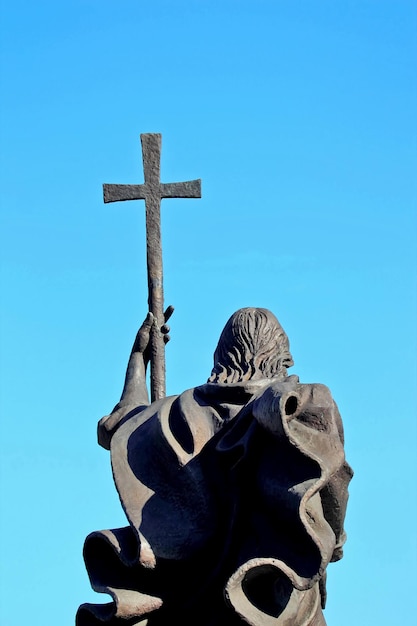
(235,491)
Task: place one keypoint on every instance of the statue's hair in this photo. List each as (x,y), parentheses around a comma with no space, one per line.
(252,345)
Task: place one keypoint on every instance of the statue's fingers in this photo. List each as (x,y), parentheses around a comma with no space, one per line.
(148,321)
(142,337)
(165,329)
(168,312)
(166,338)
(146,325)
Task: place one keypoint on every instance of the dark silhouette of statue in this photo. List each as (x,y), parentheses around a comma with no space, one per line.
(235,492)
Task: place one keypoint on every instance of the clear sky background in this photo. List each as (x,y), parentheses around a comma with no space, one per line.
(299,116)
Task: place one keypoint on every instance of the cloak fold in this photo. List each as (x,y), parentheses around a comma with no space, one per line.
(235,496)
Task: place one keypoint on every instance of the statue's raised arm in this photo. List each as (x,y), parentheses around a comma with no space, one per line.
(135,392)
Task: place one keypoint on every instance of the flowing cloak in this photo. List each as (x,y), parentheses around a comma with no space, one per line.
(235,496)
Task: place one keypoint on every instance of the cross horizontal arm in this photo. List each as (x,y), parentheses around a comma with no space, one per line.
(189,189)
(117,193)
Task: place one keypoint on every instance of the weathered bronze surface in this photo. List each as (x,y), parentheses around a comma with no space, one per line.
(235,492)
(152,192)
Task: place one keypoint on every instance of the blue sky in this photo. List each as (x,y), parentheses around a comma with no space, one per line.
(300,119)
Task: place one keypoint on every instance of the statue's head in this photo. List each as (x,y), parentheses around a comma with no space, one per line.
(253,345)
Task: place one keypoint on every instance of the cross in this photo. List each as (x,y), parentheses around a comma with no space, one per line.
(152,191)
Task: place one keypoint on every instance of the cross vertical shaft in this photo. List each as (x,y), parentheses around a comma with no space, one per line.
(151,152)
(152,191)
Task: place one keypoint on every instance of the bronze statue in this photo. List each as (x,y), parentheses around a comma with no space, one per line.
(235,491)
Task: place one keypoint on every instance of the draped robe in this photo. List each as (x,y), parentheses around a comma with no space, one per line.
(235,496)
